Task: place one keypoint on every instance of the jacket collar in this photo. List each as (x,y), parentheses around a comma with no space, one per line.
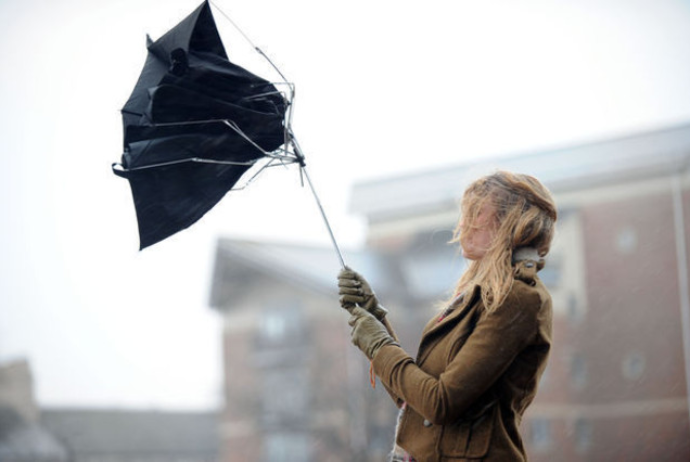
(460,307)
(525,253)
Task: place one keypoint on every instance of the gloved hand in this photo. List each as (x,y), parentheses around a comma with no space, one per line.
(355,290)
(368,333)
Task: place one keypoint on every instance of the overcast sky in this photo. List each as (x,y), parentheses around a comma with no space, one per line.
(383,88)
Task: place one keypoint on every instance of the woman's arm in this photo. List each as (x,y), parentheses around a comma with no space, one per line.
(498,338)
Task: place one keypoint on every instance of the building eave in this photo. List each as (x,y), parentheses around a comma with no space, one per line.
(561,169)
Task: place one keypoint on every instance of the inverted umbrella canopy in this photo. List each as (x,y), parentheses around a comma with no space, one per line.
(193,126)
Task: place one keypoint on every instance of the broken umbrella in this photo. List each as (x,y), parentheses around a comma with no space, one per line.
(195,124)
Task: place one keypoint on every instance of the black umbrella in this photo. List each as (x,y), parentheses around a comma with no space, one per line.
(195,124)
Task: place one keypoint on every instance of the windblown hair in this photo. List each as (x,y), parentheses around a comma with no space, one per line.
(525,216)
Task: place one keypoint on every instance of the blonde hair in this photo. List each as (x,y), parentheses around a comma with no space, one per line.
(524,216)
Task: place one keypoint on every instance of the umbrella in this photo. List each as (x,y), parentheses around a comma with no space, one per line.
(195,124)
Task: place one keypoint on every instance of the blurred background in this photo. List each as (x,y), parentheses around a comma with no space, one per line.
(225,342)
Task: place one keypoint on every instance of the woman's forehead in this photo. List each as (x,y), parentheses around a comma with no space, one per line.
(478,210)
(475,203)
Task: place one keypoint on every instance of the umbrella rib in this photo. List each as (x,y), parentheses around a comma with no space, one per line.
(251,180)
(284,160)
(237,129)
(273,155)
(261,95)
(258,50)
(230,124)
(189,159)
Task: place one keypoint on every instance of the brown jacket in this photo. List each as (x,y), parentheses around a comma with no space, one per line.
(475,374)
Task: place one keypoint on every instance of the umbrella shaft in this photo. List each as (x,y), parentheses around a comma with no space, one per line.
(325,219)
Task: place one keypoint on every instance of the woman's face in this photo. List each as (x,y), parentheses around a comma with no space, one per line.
(477,238)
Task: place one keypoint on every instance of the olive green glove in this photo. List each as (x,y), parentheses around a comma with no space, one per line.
(368,333)
(355,290)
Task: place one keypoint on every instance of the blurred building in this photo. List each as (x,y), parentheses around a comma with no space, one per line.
(295,389)
(617,383)
(31,434)
(22,436)
(111,435)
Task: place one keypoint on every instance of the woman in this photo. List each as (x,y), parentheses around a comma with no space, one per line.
(479,361)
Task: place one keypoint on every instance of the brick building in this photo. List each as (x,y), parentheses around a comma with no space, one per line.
(295,389)
(616,387)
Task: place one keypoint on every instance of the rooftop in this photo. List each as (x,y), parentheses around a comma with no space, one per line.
(647,154)
(124,432)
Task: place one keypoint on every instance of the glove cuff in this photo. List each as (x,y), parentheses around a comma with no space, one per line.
(380,344)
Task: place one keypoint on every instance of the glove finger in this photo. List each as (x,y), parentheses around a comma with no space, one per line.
(349,308)
(350,300)
(353,320)
(342,282)
(350,291)
(357,313)
(366,288)
(347,305)
(350,273)
(358,277)
(347,273)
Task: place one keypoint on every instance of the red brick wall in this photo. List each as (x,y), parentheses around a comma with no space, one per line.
(633,302)
(633,306)
(241,400)
(337,404)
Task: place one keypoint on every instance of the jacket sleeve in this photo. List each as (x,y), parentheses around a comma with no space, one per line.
(498,338)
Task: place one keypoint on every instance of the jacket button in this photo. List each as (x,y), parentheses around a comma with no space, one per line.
(427,423)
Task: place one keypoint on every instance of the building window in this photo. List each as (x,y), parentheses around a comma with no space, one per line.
(540,431)
(578,371)
(633,365)
(550,275)
(626,240)
(286,447)
(575,311)
(281,325)
(285,396)
(583,435)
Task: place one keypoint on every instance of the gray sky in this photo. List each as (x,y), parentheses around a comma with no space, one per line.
(383,88)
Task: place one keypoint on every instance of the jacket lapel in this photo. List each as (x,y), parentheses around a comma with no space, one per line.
(458,316)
